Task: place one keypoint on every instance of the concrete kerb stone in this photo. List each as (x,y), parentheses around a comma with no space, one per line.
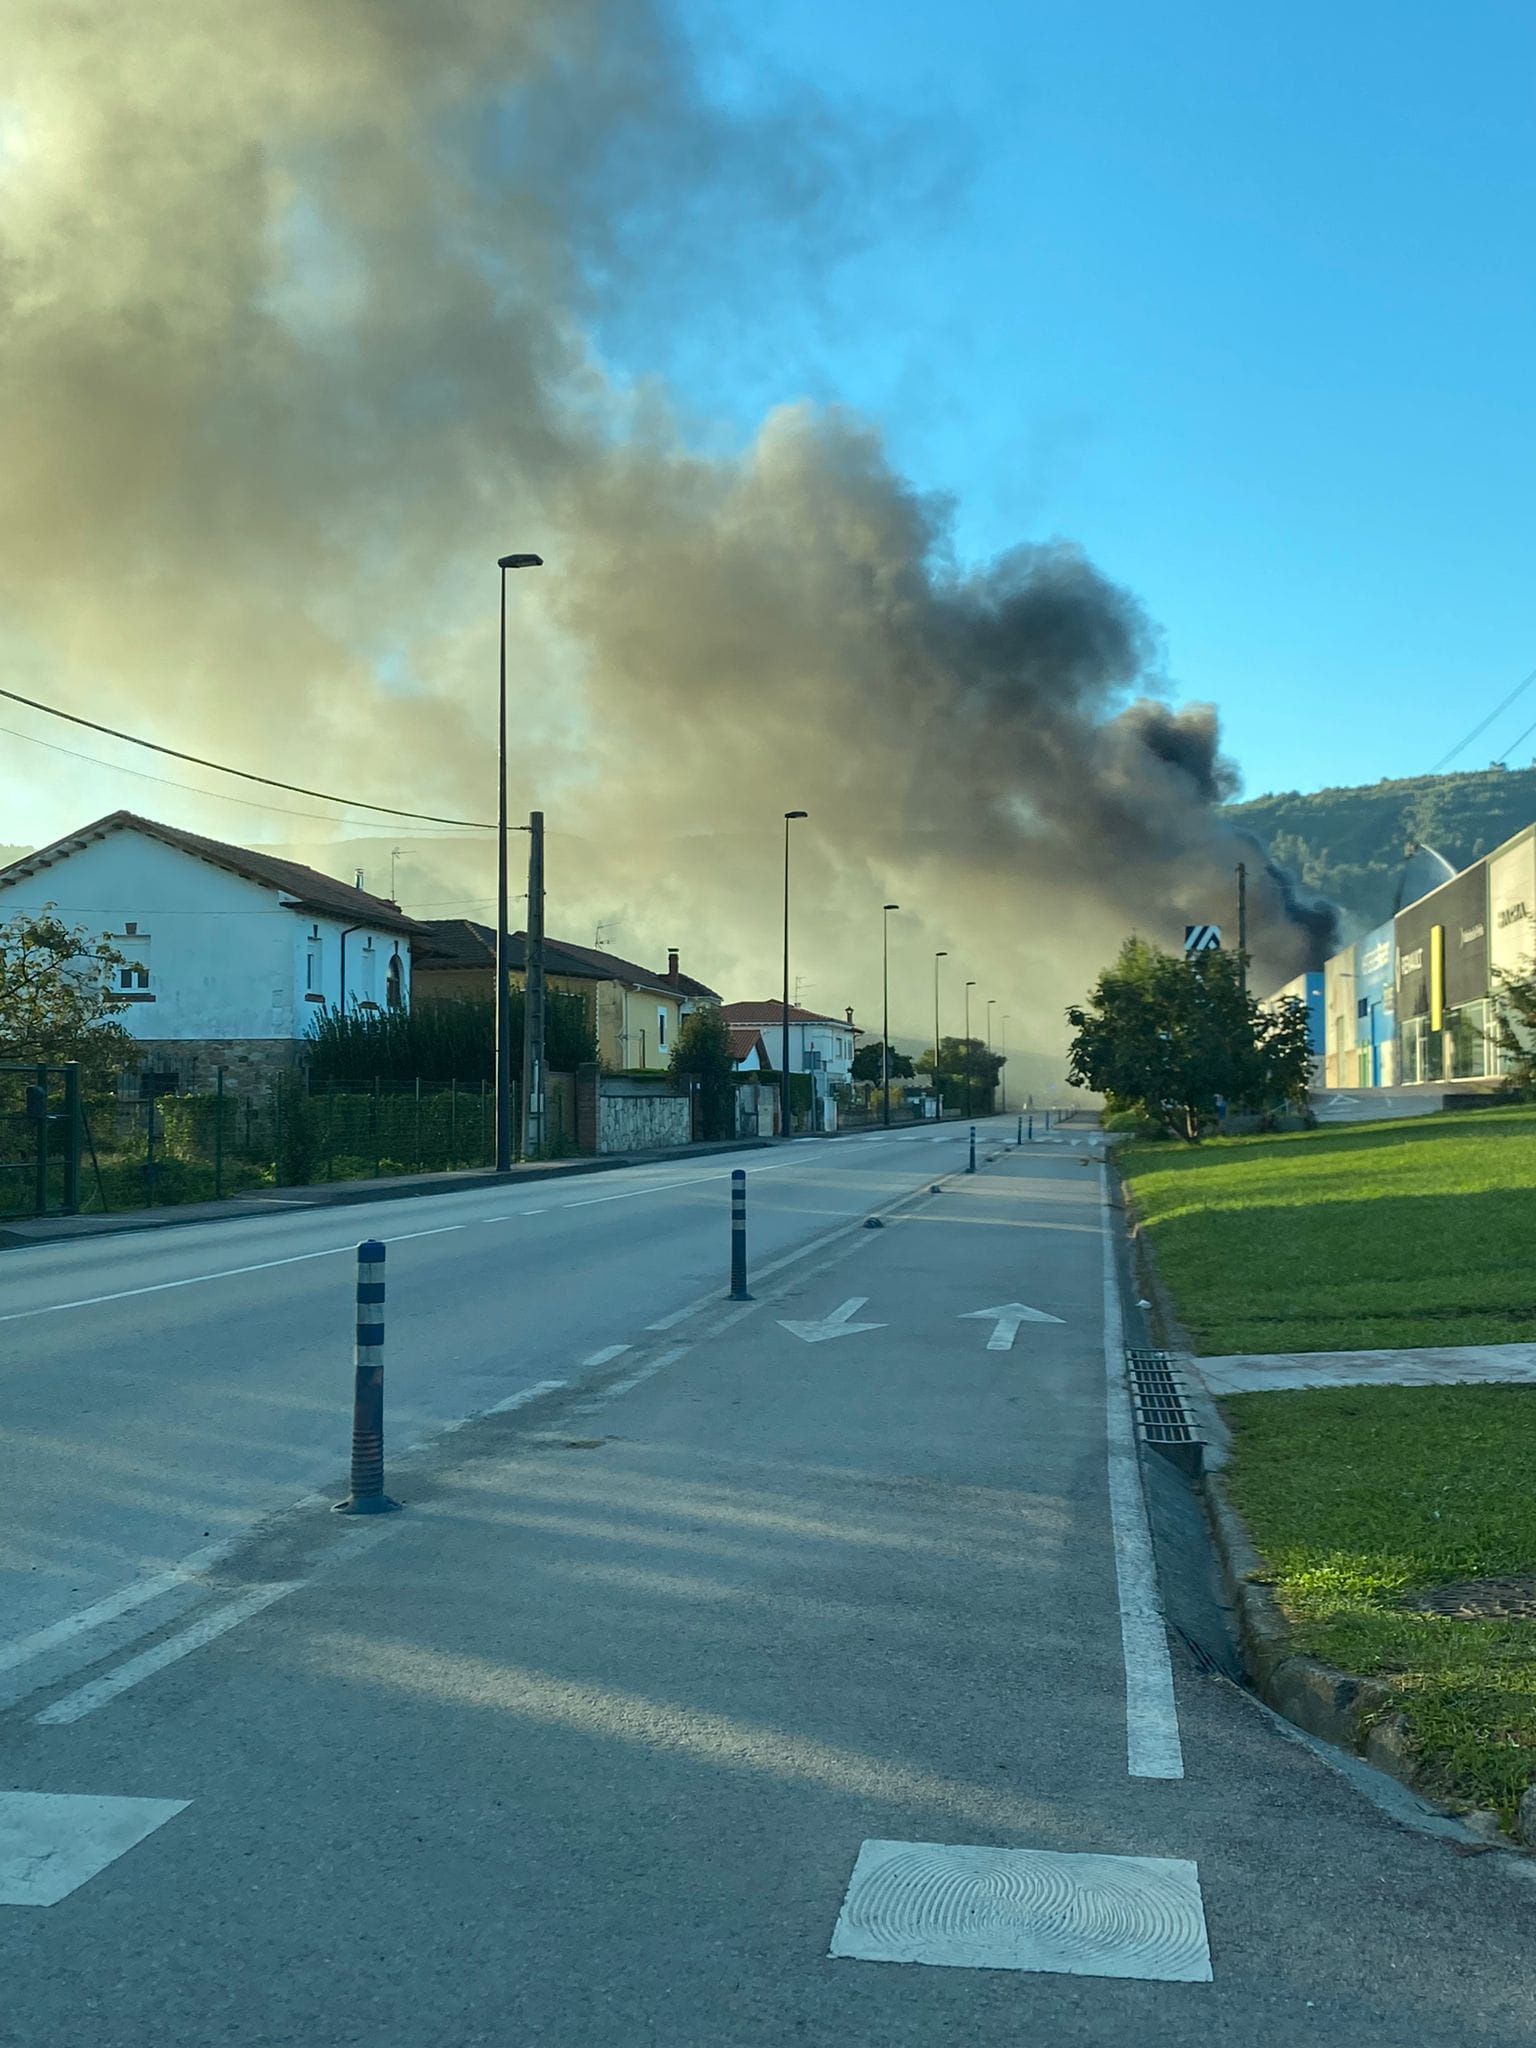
(1355,1714)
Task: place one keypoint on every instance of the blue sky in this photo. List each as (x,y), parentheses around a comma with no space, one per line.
(1241,300)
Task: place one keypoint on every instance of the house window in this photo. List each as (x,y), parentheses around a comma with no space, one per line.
(133,973)
(314,954)
(394,987)
(368,975)
(661,1030)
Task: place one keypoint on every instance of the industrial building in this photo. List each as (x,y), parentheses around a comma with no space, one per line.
(1413,1001)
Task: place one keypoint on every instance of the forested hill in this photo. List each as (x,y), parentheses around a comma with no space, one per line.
(1348,843)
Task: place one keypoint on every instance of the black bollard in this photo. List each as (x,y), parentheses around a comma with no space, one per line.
(739,1235)
(972,1167)
(368,1496)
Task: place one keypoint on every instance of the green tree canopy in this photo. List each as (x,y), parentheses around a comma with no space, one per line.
(57,1001)
(702,1053)
(1175,1038)
(867,1067)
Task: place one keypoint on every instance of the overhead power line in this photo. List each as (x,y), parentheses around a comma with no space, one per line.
(1497,712)
(246,775)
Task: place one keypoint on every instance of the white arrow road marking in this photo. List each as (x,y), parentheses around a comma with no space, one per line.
(1008,1318)
(835,1325)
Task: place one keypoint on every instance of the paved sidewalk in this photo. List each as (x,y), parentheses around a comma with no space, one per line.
(1448,1365)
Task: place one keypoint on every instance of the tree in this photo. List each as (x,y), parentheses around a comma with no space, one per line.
(967,1073)
(1175,1038)
(57,1001)
(702,1053)
(1514,1028)
(867,1067)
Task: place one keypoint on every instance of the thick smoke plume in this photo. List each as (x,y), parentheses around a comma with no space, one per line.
(299,306)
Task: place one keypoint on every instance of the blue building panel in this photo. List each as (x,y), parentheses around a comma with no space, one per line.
(1376,1007)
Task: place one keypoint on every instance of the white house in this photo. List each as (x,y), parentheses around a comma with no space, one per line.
(228,953)
(817,1045)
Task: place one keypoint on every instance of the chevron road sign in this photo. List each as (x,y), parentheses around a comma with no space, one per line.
(1201,938)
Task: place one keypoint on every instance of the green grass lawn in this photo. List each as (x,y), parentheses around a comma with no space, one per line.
(1354,1496)
(1355,1237)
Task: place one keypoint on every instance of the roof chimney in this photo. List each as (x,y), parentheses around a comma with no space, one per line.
(849,1014)
(672,964)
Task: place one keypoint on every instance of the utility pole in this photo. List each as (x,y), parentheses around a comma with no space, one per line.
(503,942)
(1003,1071)
(1242,926)
(968,987)
(533,996)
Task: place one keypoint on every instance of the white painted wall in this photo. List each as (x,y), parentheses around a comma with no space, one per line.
(225,958)
(1512,905)
(834,1042)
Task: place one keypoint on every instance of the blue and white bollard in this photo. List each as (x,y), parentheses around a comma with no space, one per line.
(1019,1134)
(739,1235)
(368,1496)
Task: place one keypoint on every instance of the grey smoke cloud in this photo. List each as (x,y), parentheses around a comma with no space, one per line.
(298,306)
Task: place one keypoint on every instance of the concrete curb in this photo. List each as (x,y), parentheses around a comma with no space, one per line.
(347,1194)
(1356,1715)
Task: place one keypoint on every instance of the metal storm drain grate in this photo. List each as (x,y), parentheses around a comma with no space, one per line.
(1163,1419)
(1478,1600)
(1025,1909)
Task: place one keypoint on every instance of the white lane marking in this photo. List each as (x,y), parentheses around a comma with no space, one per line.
(25,1648)
(526,1394)
(20,1315)
(405,1236)
(76,1705)
(1152,1745)
(678,1315)
(530,1212)
(635,1379)
(602,1357)
(51,1843)
(1006,1321)
(836,1324)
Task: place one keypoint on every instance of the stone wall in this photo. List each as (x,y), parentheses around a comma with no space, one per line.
(247,1062)
(641,1116)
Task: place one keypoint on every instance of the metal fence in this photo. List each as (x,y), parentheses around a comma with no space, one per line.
(39,1139)
(141,1151)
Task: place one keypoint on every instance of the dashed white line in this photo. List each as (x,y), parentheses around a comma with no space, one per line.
(602,1357)
(76,1705)
(678,1315)
(25,1648)
(524,1395)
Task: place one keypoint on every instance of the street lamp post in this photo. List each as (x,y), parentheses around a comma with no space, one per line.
(937,1082)
(503,997)
(991,1000)
(784,1060)
(885,1013)
(968,987)
(1003,1070)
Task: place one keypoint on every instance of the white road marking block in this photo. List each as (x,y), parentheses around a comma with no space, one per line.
(1025,1909)
(1007,1320)
(52,1842)
(1152,1746)
(76,1705)
(836,1324)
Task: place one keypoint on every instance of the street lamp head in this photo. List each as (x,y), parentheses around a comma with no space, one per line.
(970,984)
(520,561)
(795,814)
(941,956)
(893,906)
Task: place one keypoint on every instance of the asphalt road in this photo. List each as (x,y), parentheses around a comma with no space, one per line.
(585,1745)
(162,1391)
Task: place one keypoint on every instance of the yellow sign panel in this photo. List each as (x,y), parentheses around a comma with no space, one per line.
(1436,976)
